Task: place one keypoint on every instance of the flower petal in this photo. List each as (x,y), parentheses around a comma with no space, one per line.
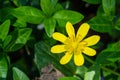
(92,40)
(70,30)
(89,51)
(60,37)
(58,49)
(66,58)
(82,31)
(78,59)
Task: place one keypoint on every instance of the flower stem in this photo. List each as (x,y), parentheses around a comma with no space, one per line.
(27,50)
(111,71)
(104,68)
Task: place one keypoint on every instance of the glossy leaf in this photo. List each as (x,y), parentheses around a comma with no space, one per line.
(48,6)
(23,35)
(93,73)
(4,29)
(20,23)
(109,6)
(58,7)
(89,75)
(80,71)
(19,39)
(7,40)
(19,75)
(63,16)
(115,54)
(104,55)
(100,11)
(111,53)
(28,14)
(49,25)
(3,67)
(43,57)
(101,24)
(102,14)
(42,54)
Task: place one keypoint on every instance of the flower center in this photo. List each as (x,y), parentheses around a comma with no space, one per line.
(74,45)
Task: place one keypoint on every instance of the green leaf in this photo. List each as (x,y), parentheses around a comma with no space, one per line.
(109,6)
(118,78)
(93,1)
(101,13)
(93,73)
(7,40)
(3,67)
(58,7)
(20,23)
(101,24)
(111,53)
(117,22)
(28,14)
(5,14)
(64,16)
(48,6)
(4,29)
(23,35)
(19,75)
(89,75)
(80,71)
(49,25)
(43,57)
(115,54)
(68,78)
(19,39)
(102,58)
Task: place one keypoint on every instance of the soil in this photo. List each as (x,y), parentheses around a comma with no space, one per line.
(50,73)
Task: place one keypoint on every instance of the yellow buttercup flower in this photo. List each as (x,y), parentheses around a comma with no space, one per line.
(74,44)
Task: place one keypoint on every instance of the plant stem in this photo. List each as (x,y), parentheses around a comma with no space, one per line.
(104,68)
(27,50)
(8,63)
(111,71)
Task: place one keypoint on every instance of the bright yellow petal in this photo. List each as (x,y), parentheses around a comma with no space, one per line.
(70,30)
(78,59)
(82,31)
(60,37)
(92,40)
(89,51)
(66,58)
(58,49)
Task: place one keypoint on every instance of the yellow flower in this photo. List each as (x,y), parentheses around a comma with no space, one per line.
(74,44)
